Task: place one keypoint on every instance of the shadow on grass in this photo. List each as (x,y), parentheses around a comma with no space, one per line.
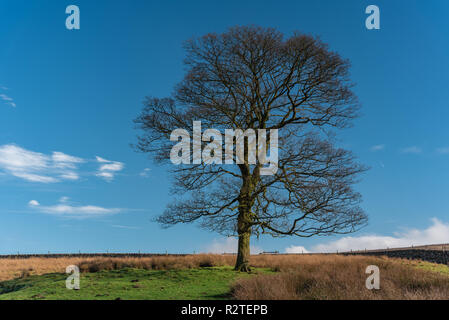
(12,286)
(27,282)
(221,296)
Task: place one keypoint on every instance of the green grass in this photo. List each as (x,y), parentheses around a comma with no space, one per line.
(428,266)
(196,284)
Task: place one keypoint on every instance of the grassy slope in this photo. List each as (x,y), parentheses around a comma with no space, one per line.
(205,283)
(130,283)
(428,266)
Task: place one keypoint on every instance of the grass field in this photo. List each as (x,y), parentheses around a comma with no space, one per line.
(211,277)
(129,283)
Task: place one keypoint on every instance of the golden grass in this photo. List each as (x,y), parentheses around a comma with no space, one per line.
(16,268)
(343,277)
(296,277)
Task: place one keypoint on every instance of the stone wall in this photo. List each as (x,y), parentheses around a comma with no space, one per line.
(436,256)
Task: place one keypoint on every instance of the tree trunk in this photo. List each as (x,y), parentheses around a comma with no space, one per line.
(243,255)
(244,219)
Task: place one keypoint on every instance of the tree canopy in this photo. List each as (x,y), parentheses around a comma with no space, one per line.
(256,78)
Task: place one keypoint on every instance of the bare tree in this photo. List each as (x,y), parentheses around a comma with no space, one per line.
(255,78)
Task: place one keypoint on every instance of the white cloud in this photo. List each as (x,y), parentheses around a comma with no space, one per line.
(100,159)
(80,210)
(378,147)
(109,168)
(33,203)
(7,100)
(114,166)
(49,168)
(436,233)
(38,167)
(412,150)
(34,177)
(72,211)
(70,176)
(15,157)
(62,160)
(228,245)
(105,175)
(296,249)
(4,97)
(25,164)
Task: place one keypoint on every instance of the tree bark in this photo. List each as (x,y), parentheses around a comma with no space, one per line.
(245,219)
(243,255)
(244,233)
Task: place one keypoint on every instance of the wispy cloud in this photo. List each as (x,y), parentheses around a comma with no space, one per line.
(437,232)
(108,168)
(49,168)
(33,203)
(36,166)
(4,97)
(64,199)
(65,209)
(377,147)
(145,173)
(443,150)
(63,160)
(412,150)
(7,99)
(25,164)
(125,227)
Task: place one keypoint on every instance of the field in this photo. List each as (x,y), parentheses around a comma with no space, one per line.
(211,277)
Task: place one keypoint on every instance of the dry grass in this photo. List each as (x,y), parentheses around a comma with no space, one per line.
(339,277)
(16,268)
(296,277)
(19,268)
(156,263)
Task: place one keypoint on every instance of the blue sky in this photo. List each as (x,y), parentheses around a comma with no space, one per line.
(69,180)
